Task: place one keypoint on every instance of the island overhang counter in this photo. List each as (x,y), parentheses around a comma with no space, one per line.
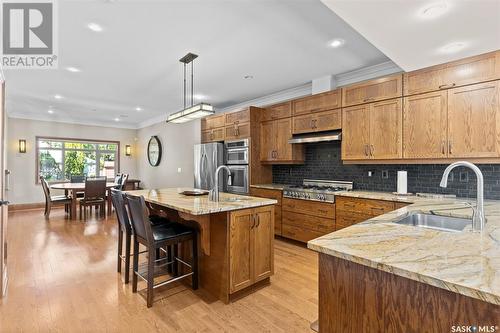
(382,276)
(236,236)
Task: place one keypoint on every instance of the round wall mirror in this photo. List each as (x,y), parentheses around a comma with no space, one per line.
(154,151)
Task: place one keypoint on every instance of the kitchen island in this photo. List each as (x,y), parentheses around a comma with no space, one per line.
(236,237)
(379,276)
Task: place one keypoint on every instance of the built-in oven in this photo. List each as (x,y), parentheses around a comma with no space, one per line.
(239,179)
(236,152)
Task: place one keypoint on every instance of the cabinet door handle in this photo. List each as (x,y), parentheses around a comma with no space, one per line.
(450,147)
(253,221)
(258,220)
(445,86)
(366,150)
(368,99)
(371,150)
(314,110)
(442,147)
(323,211)
(311,124)
(315,121)
(275,154)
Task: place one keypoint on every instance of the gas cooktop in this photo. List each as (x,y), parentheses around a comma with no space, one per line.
(317,190)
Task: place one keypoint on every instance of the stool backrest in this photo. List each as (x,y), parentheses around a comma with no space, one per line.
(139,215)
(95,188)
(123,182)
(117,197)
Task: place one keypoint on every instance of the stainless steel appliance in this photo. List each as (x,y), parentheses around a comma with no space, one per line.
(237,152)
(236,158)
(316,190)
(239,179)
(207,158)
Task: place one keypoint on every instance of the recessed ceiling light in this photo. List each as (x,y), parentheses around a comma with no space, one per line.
(73,69)
(138,109)
(117,119)
(51,111)
(337,42)
(248,77)
(433,10)
(94,27)
(57,96)
(453,47)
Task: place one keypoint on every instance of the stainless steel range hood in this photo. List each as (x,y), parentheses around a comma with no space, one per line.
(316,137)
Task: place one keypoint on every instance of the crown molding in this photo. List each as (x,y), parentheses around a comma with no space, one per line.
(73,122)
(367,73)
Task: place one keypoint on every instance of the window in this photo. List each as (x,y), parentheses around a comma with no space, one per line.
(59,159)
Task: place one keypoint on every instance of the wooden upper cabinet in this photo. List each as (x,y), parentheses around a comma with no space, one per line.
(355,132)
(425,125)
(320,102)
(373,90)
(474,121)
(237,131)
(212,122)
(274,146)
(386,129)
(278,111)
(481,68)
(238,117)
(317,122)
(213,135)
(267,140)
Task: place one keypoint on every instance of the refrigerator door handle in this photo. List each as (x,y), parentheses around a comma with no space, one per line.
(7,180)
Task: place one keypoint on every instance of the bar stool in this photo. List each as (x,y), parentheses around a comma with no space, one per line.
(158,237)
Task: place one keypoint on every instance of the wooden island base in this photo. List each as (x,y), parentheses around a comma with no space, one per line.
(357,298)
(236,249)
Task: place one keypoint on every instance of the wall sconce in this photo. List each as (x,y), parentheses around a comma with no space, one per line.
(128,150)
(22,146)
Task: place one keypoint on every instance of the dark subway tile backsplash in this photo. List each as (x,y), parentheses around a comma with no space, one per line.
(323,162)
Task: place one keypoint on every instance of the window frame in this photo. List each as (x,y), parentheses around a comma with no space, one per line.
(63,149)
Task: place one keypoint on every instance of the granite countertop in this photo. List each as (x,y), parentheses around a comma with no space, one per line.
(270,186)
(465,262)
(412,198)
(199,205)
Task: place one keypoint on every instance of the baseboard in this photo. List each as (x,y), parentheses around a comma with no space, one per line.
(26,206)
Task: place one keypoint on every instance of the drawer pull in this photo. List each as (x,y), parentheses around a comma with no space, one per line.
(444,86)
(323,211)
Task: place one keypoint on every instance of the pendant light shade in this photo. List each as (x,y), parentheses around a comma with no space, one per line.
(192,112)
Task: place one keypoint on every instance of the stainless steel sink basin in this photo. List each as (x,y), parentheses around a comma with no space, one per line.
(443,223)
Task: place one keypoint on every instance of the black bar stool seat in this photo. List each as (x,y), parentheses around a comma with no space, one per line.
(167,231)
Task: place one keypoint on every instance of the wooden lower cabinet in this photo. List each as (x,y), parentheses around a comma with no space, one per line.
(251,247)
(357,298)
(271,194)
(350,211)
(303,220)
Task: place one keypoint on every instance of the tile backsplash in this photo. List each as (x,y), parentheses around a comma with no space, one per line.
(323,162)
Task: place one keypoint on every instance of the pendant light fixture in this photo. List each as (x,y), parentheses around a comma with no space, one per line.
(194,111)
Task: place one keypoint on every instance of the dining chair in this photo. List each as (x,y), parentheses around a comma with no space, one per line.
(123,182)
(94,195)
(54,200)
(77,179)
(158,237)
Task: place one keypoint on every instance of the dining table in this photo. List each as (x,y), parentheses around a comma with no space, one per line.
(73,188)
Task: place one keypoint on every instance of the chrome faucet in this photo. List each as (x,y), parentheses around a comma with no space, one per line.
(478,213)
(214,193)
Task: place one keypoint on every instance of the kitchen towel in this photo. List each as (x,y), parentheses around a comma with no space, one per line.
(402,182)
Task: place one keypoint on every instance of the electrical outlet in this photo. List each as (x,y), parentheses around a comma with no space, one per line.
(179,170)
(385,174)
(370,173)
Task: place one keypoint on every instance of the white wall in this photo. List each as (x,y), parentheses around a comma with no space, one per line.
(177,141)
(23,188)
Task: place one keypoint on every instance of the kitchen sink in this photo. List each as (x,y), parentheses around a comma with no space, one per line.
(437,222)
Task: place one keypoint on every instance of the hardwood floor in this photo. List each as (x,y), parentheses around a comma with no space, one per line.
(63,278)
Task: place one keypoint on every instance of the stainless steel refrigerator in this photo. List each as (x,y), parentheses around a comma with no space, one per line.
(207,158)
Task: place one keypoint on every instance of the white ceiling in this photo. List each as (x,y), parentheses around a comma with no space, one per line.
(397,28)
(134,61)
